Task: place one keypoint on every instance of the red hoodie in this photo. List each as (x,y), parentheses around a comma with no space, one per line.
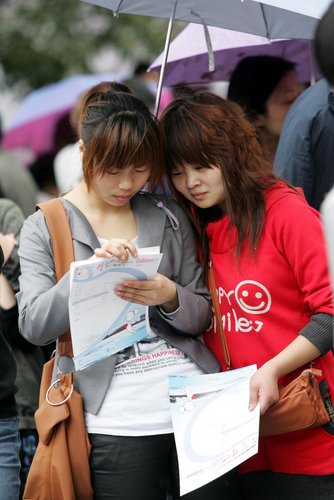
(265,301)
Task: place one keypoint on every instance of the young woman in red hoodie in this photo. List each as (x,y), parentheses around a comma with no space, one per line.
(270,266)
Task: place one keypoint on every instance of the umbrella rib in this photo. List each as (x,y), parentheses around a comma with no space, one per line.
(211,56)
(118,7)
(164,61)
(264,20)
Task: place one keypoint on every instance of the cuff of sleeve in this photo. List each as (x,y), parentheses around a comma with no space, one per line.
(319,331)
(167,314)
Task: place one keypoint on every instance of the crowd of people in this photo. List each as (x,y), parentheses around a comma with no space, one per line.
(241,184)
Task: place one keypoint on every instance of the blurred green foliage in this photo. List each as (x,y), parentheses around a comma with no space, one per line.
(42,41)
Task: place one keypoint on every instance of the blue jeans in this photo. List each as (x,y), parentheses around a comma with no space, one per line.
(9,459)
(29,441)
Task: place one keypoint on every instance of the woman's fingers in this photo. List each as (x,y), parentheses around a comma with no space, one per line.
(157,291)
(141,292)
(253,397)
(263,389)
(120,248)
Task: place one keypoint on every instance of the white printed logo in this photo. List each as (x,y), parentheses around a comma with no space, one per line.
(249,296)
(252,297)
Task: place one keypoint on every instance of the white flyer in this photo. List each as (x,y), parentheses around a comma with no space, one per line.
(214,430)
(102,323)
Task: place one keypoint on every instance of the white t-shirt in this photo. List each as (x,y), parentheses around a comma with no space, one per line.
(327,213)
(137,400)
(68,167)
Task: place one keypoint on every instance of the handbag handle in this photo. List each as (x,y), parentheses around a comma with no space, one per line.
(216,308)
(63,253)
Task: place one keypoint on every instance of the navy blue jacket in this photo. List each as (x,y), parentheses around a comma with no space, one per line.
(305,153)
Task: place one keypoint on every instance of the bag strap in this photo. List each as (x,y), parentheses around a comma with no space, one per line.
(63,253)
(216,308)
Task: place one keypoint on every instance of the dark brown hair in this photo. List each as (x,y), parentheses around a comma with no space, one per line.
(205,130)
(118,130)
(254,80)
(324,44)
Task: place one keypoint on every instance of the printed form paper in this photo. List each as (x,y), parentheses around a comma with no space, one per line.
(101,323)
(214,430)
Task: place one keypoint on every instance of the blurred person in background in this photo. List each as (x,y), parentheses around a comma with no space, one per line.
(16,182)
(305,153)
(324,44)
(143,84)
(29,358)
(324,52)
(67,162)
(64,133)
(9,430)
(265,87)
(42,170)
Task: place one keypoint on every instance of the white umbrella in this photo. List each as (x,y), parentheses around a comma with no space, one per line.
(248,16)
(188,55)
(306,7)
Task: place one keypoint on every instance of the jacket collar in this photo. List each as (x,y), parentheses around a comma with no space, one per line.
(80,227)
(150,219)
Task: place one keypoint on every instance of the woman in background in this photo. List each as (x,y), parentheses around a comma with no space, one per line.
(265,87)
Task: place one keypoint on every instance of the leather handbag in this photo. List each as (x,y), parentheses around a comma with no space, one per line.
(60,467)
(300,405)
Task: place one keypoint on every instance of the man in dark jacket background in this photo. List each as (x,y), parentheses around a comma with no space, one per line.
(324,52)
(305,152)
(9,431)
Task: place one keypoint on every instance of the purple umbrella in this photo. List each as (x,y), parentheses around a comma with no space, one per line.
(34,123)
(188,60)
